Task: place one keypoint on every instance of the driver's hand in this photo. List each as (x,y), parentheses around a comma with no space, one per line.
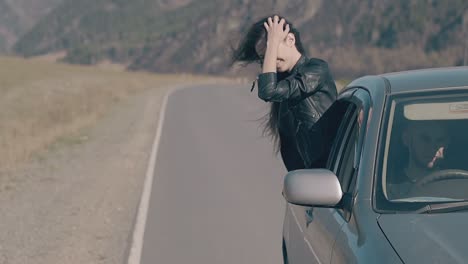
(438,155)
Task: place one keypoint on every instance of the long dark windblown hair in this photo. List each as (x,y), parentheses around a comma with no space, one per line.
(246,53)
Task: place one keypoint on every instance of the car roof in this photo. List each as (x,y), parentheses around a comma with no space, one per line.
(415,80)
(426,79)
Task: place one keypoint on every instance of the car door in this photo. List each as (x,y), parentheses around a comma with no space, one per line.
(318,227)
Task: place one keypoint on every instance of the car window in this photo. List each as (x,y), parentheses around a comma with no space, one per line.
(342,127)
(345,154)
(338,146)
(346,168)
(425,150)
(344,159)
(327,127)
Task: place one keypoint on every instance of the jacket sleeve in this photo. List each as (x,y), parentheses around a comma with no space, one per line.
(304,83)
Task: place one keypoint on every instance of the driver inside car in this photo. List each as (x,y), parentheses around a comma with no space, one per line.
(425,142)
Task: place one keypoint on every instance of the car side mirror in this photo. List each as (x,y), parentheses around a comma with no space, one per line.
(312,187)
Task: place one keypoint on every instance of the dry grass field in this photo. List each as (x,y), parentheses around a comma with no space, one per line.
(42,102)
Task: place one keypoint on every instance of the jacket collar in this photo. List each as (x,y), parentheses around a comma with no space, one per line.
(302,60)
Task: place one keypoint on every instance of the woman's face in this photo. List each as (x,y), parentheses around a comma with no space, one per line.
(283,61)
(283,64)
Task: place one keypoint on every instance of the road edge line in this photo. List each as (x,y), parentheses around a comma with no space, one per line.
(136,248)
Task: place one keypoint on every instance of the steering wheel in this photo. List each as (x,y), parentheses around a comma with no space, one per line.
(440,175)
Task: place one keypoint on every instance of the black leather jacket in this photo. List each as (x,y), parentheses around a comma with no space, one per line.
(303,96)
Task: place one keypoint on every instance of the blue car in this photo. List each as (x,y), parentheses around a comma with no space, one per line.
(395,186)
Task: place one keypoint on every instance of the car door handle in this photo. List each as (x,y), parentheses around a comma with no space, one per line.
(309,216)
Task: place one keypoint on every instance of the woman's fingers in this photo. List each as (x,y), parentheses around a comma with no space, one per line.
(277,24)
(277,28)
(281,22)
(275,19)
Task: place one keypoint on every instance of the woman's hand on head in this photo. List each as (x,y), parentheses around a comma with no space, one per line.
(276,30)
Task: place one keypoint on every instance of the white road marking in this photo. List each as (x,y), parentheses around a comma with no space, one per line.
(136,248)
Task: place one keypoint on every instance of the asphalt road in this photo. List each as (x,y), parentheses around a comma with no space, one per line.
(216,193)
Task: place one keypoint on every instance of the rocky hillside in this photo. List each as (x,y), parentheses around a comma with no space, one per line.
(9,25)
(19,16)
(357,37)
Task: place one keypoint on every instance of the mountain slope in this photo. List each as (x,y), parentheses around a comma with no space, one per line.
(356,37)
(186,36)
(9,25)
(19,16)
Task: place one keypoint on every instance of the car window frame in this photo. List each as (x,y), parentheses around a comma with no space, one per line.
(335,148)
(359,100)
(338,148)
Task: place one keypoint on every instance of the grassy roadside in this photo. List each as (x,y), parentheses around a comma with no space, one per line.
(42,102)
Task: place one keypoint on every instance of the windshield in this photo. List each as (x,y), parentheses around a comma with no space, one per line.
(425,159)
